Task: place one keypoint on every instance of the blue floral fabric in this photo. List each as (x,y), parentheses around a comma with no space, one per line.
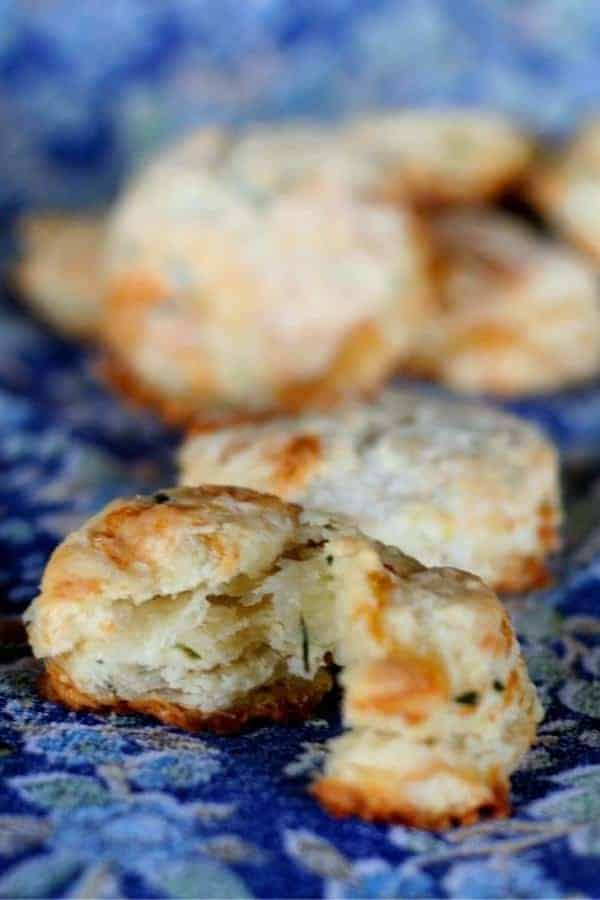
(86,87)
(122,806)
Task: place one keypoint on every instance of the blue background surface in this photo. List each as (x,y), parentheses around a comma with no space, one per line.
(87,87)
(124,807)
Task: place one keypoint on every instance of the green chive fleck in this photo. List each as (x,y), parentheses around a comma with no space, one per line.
(304,644)
(469,698)
(188,651)
(329,560)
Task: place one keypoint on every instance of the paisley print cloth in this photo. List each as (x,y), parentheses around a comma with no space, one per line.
(120,806)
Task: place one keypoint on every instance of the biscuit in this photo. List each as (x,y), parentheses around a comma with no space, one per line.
(450,482)
(565,188)
(170,605)
(445,156)
(518,313)
(208,607)
(258,272)
(437,701)
(59,272)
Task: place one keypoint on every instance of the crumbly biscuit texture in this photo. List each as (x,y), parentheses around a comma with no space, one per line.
(518,312)
(187,597)
(209,607)
(566,189)
(436,697)
(442,156)
(259,271)
(60,269)
(450,482)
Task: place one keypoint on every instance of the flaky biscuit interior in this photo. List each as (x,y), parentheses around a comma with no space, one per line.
(200,605)
(197,603)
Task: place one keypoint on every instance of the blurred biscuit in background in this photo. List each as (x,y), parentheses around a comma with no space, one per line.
(256,272)
(565,188)
(60,267)
(518,312)
(442,156)
(450,482)
(291,266)
(438,705)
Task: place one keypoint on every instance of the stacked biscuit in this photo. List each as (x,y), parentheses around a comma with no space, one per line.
(259,288)
(448,481)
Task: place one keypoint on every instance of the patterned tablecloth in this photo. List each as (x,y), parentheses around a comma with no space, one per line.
(120,806)
(124,807)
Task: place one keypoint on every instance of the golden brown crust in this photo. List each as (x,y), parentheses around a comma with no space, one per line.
(427,193)
(428,197)
(131,389)
(122,532)
(360,366)
(126,534)
(485,337)
(548,530)
(136,294)
(372,611)
(296,459)
(407,685)
(372,802)
(363,351)
(233,420)
(526,573)
(290,700)
(497,642)
(128,305)
(531,572)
